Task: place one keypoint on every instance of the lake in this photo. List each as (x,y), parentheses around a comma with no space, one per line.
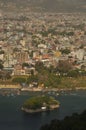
(12,118)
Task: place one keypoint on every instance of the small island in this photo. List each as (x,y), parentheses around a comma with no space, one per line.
(39,104)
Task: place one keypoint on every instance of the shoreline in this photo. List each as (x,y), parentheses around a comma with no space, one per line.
(52,89)
(11,87)
(39,89)
(30,111)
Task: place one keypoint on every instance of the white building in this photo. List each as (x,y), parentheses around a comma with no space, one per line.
(80,54)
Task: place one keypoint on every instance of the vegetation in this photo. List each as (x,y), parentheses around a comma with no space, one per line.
(53,31)
(64,66)
(63,76)
(32,78)
(75,122)
(65,51)
(25,65)
(72,82)
(39,101)
(1,66)
(19,79)
(45,76)
(64,33)
(1,52)
(4,75)
(73,73)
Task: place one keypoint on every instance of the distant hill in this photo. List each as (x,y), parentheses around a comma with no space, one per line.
(43,5)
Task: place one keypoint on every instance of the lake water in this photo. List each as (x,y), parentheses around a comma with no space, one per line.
(12,118)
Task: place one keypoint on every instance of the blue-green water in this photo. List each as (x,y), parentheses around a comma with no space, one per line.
(12,118)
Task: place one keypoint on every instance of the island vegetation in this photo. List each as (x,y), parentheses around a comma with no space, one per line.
(39,104)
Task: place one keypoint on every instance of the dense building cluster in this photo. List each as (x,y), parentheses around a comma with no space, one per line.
(49,38)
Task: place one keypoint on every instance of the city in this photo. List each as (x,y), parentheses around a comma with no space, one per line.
(42,65)
(50,38)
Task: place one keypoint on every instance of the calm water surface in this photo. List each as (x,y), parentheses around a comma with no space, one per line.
(12,118)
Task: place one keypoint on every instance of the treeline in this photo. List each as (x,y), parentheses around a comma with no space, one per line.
(44,76)
(63,75)
(74,122)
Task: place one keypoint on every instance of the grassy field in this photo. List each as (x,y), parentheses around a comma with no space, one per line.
(79,82)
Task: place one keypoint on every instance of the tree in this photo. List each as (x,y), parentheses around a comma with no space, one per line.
(19,80)
(32,78)
(25,65)
(39,66)
(64,66)
(1,52)
(73,73)
(74,122)
(65,51)
(1,66)
(52,81)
